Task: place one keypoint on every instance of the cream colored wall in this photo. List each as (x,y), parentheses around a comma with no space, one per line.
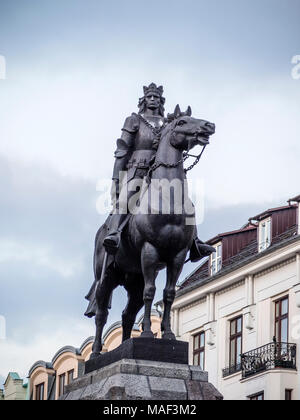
(66,362)
(275,282)
(13,390)
(86,352)
(230,302)
(40,375)
(192,318)
(268,288)
(113,340)
(256,305)
(273,383)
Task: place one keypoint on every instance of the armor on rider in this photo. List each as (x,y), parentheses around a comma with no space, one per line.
(134,154)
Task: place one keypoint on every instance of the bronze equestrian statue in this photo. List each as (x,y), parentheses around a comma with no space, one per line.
(132,247)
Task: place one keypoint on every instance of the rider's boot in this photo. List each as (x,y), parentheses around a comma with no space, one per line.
(113,239)
(200,250)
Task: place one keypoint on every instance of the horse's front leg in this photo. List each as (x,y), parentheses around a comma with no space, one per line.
(149,260)
(174,268)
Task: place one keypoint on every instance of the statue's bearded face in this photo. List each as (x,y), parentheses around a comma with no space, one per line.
(152,100)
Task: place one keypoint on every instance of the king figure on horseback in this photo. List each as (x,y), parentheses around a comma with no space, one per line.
(134,155)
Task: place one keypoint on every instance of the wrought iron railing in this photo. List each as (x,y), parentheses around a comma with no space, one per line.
(232,369)
(271,356)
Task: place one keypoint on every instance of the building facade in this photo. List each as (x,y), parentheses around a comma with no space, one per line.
(240,310)
(14,388)
(48,379)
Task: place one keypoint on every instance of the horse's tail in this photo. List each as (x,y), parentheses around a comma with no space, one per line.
(98,262)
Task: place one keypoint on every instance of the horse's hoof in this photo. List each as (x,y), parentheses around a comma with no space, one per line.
(147,334)
(94,355)
(168,336)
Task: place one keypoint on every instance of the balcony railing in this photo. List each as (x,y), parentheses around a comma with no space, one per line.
(232,369)
(271,356)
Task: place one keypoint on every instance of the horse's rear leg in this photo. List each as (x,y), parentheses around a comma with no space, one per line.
(103,294)
(150,260)
(174,269)
(135,290)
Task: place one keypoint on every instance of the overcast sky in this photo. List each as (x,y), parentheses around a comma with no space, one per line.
(74,70)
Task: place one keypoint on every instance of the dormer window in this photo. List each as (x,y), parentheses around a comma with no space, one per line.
(264,240)
(216,259)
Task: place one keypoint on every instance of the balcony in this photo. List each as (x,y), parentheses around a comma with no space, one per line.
(271,356)
(231,370)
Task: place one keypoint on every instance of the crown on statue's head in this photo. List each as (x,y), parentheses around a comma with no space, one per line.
(152,88)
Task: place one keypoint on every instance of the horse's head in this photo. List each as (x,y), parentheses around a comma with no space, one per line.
(186,131)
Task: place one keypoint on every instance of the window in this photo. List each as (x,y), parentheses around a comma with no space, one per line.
(282,320)
(70,376)
(216,259)
(236,337)
(257,397)
(264,240)
(61,384)
(288,394)
(39,392)
(199,350)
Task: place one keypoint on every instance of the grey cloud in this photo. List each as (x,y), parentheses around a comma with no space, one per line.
(51,217)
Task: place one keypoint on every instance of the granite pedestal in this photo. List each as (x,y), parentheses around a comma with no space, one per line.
(134,378)
(140,348)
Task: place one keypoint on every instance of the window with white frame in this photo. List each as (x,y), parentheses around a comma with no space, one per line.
(264,240)
(199,350)
(216,259)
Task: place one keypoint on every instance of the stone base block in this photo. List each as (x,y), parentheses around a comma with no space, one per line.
(140,348)
(129,379)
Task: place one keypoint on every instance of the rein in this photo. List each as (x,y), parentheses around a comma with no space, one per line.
(185,156)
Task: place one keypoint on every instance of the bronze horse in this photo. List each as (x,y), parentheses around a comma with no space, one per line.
(151,241)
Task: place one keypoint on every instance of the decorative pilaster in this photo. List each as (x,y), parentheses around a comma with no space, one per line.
(248,312)
(297,286)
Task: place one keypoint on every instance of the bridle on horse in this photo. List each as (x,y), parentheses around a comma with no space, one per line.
(185,155)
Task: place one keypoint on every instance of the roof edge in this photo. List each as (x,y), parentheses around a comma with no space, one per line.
(266,213)
(39,363)
(63,350)
(233,232)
